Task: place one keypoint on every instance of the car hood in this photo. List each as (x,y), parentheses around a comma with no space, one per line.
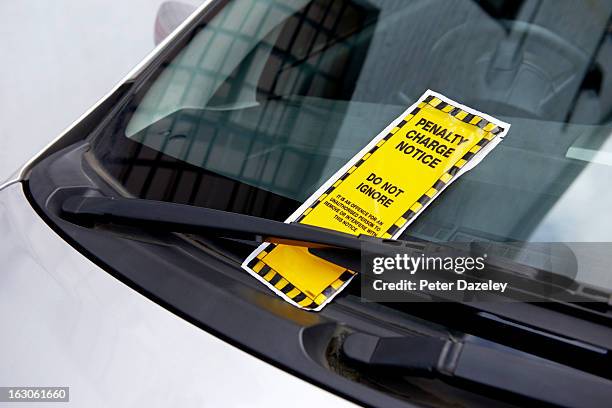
(66,322)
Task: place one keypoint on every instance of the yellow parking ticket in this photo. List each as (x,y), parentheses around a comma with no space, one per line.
(379,192)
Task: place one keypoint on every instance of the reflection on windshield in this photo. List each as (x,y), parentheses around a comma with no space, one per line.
(270,111)
(271,97)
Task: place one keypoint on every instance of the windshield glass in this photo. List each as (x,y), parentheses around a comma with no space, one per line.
(271,97)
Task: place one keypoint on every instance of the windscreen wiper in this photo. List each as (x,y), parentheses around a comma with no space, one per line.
(450,359)
(470,363)
(182,218)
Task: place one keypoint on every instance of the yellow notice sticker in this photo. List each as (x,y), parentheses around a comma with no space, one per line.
(379,192)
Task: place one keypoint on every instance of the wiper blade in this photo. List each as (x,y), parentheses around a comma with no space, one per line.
(172,217)
(469,362)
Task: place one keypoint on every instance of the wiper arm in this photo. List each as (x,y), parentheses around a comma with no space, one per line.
(564,318)
(172,217)
(466,361)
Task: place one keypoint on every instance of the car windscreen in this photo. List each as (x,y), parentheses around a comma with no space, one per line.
(270,98)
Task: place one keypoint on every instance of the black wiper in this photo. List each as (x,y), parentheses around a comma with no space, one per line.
(183,218)
(172,217)
(468,363)
(472,363)
(564,316)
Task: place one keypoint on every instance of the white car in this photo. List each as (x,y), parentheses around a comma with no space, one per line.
(123,239)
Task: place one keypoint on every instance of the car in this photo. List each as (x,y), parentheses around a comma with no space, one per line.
(124,238)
